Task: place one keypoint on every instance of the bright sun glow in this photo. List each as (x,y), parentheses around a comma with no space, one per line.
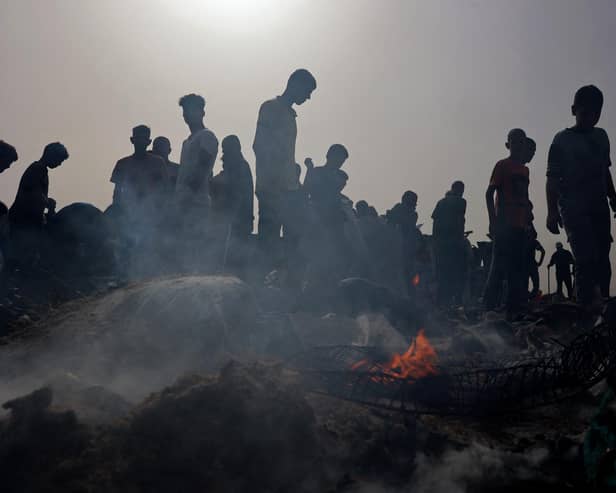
(234,15)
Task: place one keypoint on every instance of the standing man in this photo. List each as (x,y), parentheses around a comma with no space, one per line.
(579,187)
(140,186)
(232,189)
(563,260)
(27,214)
(199,153)
(509,214)
(161,146)
(403,217)
(449,245)
(140,183)
(274,148)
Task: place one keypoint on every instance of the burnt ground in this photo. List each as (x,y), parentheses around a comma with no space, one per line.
(27,298)
(252,426)
(253,429)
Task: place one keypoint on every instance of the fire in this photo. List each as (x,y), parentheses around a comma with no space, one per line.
(417,362)
(416,280)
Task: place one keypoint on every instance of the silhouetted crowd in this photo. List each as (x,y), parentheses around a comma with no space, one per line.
(171,217)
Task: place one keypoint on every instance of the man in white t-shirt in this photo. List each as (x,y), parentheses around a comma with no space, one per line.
(274,148)
(199,152)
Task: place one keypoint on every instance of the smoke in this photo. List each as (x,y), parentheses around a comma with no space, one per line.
(475,468)
(138,339)
(461,471)
(375,330)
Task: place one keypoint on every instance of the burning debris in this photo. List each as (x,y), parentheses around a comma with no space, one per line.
(379,433)
(414,383)
(417,362)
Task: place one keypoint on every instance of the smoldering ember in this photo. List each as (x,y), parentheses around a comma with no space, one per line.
(424,309)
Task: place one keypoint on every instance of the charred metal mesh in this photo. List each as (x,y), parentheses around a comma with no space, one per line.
(463,388)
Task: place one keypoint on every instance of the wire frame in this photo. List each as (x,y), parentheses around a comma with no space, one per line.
(464,387)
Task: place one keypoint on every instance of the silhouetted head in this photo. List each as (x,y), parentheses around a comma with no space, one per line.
(231,149)
(8,155)
(193,109)
(141,138)
(516,143)
(457,188)
(531,149)
(337,155)
(161,146)
(300,86)
(362,208)
(231,144)
(372,212)
(54,155)
(409,199)
(559,246)
(587,106)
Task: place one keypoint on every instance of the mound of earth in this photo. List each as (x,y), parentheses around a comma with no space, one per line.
(249,429)
(137,338)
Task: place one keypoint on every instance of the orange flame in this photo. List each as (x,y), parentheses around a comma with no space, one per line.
(417,362)
(416,280)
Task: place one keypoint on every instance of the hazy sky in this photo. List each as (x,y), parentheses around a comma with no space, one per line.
(421,92)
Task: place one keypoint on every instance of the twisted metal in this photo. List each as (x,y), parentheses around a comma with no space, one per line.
(462,388)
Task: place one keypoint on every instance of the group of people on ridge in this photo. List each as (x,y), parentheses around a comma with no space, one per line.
(579,191)
(311,231)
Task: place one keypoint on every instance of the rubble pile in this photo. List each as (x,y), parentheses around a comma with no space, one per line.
(39,447)
(252,429)
(138,338)
(251,426)
(244,431)
(249,429)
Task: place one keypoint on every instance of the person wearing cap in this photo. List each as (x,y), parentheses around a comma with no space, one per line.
(563,260)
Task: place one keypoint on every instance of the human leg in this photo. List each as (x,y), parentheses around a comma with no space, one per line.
(496,276)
